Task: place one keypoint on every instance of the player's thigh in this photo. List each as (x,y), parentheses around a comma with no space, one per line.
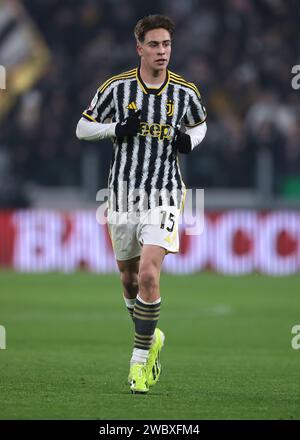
(160,227)
(124,241)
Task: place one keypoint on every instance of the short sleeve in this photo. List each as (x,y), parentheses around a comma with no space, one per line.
(101,106)
(196,112)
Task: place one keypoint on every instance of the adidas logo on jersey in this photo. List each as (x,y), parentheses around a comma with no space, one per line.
(132,106)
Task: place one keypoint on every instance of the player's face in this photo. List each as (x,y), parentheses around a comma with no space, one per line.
(155,51)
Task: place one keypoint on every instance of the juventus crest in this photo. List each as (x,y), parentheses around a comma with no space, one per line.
(170,107)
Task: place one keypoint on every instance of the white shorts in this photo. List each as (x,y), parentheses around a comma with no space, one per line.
(157,226)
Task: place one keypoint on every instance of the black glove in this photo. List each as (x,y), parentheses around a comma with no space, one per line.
(130,126)
(182,142)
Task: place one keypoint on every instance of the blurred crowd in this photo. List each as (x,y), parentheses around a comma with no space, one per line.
(239,53)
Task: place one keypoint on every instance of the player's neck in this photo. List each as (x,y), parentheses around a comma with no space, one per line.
(152,76)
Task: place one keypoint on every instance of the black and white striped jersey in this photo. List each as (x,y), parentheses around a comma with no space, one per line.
(144,171)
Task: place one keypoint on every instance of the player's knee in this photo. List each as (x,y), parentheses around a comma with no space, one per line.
(130,282)
(148,279)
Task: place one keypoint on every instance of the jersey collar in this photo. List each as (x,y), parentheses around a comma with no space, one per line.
(148,90)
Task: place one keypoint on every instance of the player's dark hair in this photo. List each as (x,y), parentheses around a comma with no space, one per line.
(150,22)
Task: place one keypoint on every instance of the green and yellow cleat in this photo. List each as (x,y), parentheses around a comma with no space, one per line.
(153,365)
(138,379)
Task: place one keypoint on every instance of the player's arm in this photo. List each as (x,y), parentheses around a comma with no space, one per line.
(92,125)
(188,140)
(194,122)
(94,131)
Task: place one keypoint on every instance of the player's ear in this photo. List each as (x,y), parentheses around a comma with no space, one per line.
(139,48)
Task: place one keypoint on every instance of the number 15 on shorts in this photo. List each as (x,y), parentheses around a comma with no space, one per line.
(167,221)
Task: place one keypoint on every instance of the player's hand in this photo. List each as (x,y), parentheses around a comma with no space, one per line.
(130,126)
(182,142)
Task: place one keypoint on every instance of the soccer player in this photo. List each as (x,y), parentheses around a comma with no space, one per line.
(151,114)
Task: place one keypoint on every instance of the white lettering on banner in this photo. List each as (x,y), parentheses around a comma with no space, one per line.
(38,240)
(224,255)
(236,242)
(195,255)
(269,260)
(87,245)
(39,245)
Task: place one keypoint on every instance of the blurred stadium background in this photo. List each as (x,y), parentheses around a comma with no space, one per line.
(240,53)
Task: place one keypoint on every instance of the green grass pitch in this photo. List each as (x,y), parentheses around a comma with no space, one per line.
(228,352)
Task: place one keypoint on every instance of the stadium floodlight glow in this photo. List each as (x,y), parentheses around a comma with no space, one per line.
(2,78)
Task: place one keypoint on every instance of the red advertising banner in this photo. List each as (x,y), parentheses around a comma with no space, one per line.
(232,242)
